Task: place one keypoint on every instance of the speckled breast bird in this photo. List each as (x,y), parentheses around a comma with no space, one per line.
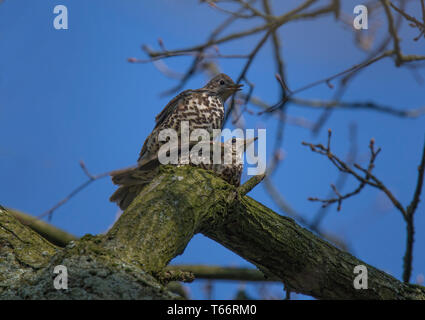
(131,181)
(203,108)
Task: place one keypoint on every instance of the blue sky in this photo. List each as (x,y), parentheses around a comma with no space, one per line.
(70,95)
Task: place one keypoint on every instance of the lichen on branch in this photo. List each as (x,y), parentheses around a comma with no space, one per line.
(127,262)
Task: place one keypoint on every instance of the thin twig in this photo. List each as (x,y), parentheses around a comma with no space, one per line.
(393,32)
(74,192)
(342,178)
(410,211)
(371,180)
(245,70)
(415,22)
(251,184)
(356,105)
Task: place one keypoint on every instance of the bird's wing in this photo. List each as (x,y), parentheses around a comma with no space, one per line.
(144,148)
(161,117)
(171,107)
(132,176)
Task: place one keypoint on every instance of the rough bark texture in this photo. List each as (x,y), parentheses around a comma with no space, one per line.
(157,226)
(223,273)
(54,235)
(304,262)
(27,261)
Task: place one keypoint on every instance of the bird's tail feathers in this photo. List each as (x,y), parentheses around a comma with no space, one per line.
(125,195)
(130,181)
(130,176)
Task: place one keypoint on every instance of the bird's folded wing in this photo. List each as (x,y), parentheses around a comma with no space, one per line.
(170,107)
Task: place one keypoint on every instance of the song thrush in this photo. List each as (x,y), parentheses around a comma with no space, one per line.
(203,108)
(132,181)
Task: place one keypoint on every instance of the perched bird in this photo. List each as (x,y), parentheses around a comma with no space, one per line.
(203,108)
(131,181)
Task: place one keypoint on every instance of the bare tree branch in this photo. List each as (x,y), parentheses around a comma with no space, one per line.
(371,180)
(74,192)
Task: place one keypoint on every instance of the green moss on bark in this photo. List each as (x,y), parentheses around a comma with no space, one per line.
(158,225)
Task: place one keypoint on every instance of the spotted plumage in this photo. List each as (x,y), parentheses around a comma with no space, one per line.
(203,108)
(132,181)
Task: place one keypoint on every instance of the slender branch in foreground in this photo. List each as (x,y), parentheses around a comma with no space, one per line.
(54,235)
(61,238)
(251,184)
(223,273)
(173,272)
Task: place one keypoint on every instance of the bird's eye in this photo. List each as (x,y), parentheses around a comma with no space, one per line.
(221,82)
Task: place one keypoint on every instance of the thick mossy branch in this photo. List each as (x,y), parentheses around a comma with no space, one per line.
(27,262)
(183,201)
(165,216)
(22,251)
(157,226)
(54,235)
(305,263)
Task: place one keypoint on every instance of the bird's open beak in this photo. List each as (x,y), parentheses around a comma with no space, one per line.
(250,141)
(235,87)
